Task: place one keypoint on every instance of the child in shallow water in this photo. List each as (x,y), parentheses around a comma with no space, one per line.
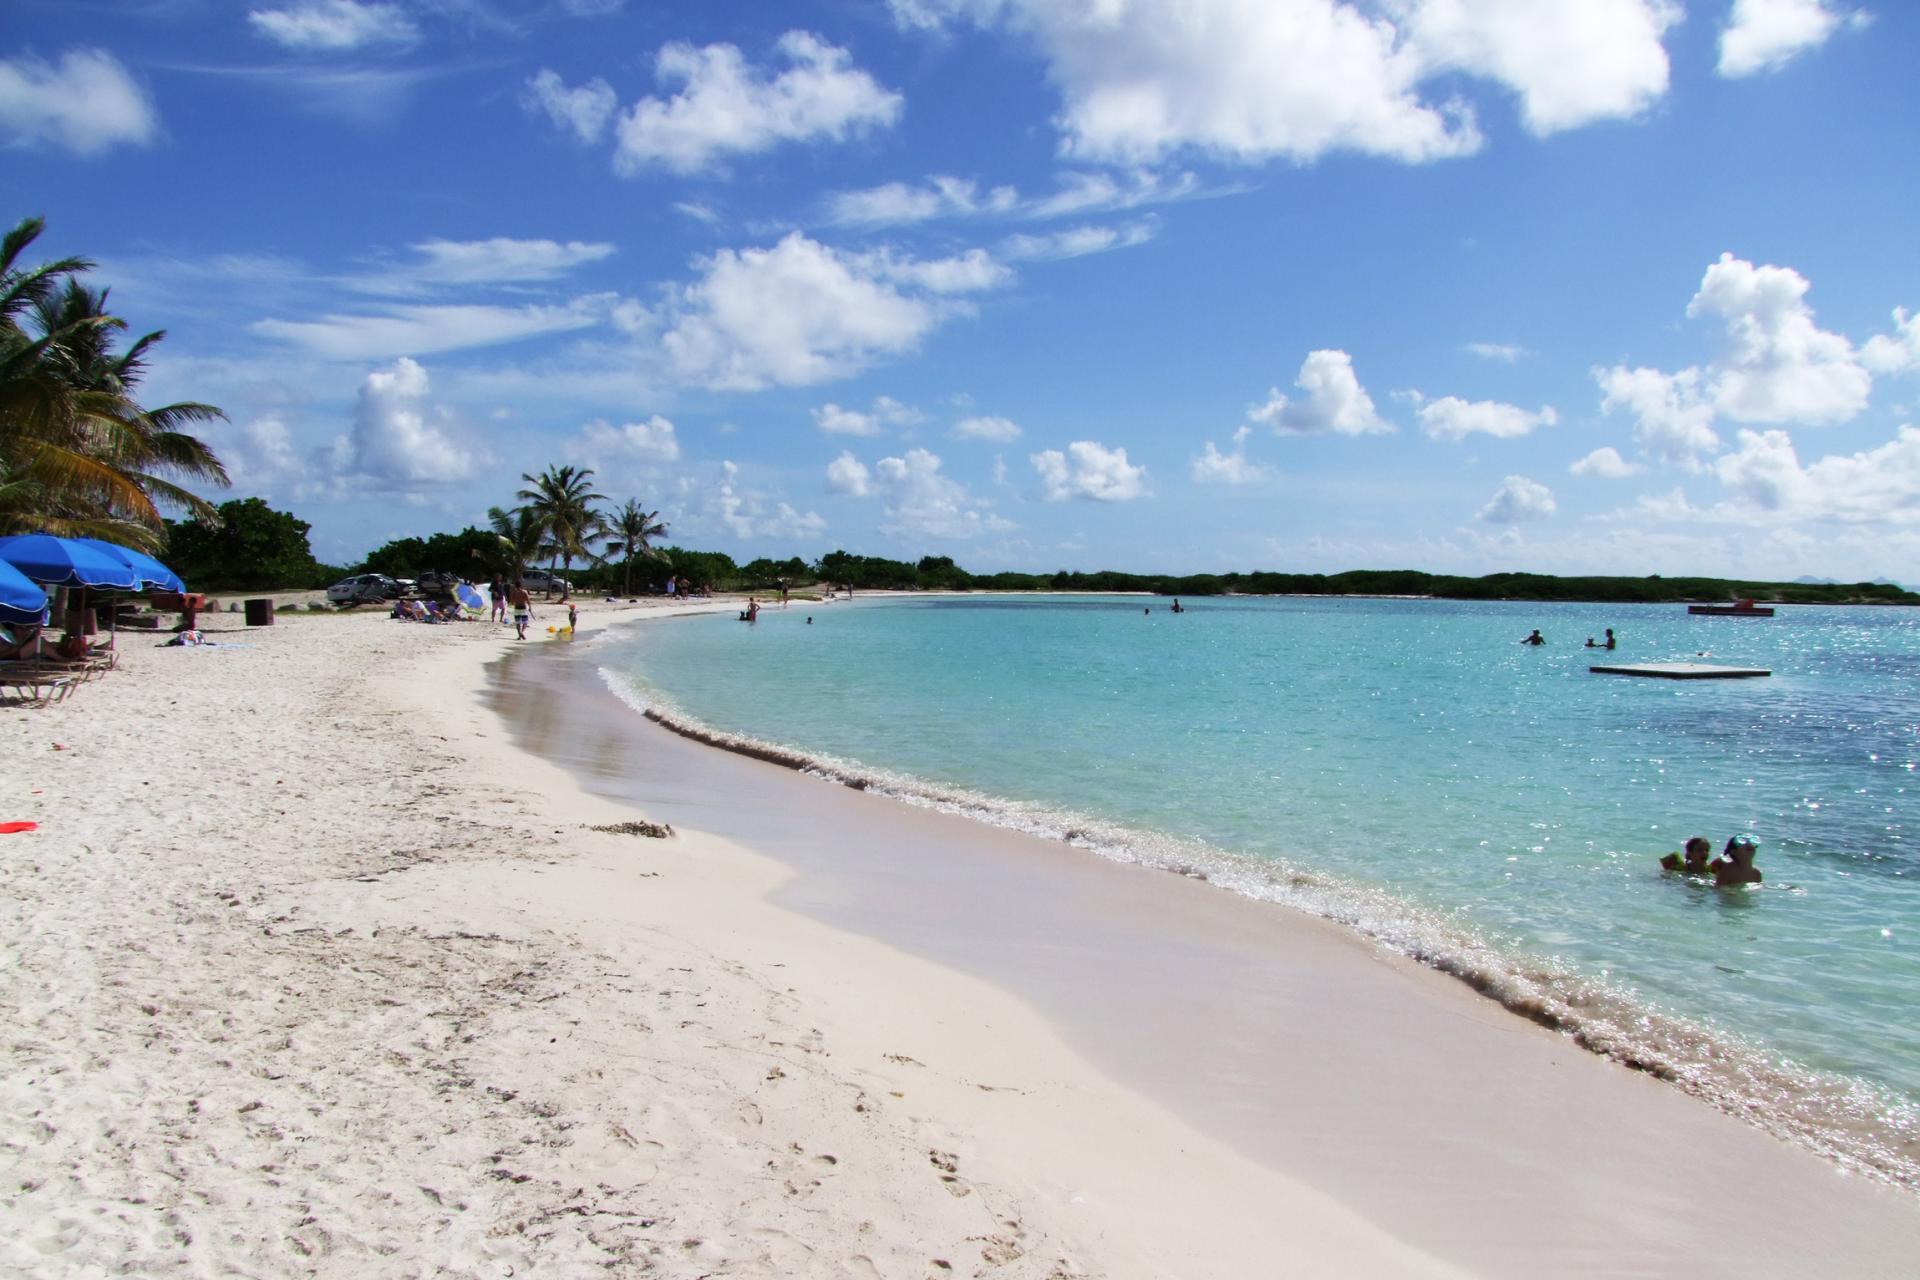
(1735,866)
(1695,863)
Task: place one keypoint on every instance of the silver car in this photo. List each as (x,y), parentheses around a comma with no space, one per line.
(363,588)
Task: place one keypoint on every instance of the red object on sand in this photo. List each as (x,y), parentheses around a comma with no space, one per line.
(8,828)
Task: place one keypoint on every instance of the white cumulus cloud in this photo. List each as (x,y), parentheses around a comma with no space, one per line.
(582,111)
(1518,499)
(1779,367)
(848,475)
(886,412)
(921,502)
(651,441)
(398,439)
(1451,418)
(801,313)
(86,104)
(335,26)
(1765,35)
(1088,470)
(1673,420)
(1896,352)
(1251,80)
(1776,366)
(726,107)
(726,504)
(1211,466)
(836,421)
(1876,486)
(1604,464)
(1334,402)
(1570,64)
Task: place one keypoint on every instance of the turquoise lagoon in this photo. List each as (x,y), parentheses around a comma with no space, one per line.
(1409,767)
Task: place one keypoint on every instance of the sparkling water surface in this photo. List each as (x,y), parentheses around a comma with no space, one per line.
(1416,746)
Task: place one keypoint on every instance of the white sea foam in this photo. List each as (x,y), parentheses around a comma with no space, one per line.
(1862,1127)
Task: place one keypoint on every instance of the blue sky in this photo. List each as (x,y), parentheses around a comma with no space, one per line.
(1196,285)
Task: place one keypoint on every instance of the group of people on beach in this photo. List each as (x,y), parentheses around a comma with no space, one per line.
(1734,866)
(501,597)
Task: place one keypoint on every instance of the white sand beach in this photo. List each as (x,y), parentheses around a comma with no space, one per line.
(310,969)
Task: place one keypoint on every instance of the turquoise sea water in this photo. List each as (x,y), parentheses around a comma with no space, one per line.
(1408,766)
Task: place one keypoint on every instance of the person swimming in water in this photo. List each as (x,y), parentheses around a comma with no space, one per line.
(1694,863)
(1535,638)
(1735,866)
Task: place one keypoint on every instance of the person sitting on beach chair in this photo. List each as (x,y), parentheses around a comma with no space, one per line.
(20,642)
(1699,849)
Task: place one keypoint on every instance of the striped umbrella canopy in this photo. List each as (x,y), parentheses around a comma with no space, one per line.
(153,574)
(20,599)
(66,562)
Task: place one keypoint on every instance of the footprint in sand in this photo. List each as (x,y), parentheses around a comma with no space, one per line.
(949,1166)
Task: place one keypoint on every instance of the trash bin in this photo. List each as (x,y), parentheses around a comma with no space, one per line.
(259,613)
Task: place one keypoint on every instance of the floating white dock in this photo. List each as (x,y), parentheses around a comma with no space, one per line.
(1681,671)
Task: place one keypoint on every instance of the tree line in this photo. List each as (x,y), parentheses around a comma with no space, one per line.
(254,547)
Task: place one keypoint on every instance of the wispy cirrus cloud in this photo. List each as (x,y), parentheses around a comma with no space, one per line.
(1076,242)
(496,261)
(1076,192)
(429,330)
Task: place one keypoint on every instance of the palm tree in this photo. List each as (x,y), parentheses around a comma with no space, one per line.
(522,537)
(563,497)
(630,533)
(80,455)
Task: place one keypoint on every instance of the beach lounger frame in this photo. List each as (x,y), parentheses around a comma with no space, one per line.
(38,688)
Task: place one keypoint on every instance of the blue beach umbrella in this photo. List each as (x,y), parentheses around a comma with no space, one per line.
(66,562)
(20,600)
(151,572)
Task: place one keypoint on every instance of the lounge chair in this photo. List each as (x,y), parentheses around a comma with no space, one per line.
(40,687)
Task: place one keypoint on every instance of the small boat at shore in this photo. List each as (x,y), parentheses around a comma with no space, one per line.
(1738,609)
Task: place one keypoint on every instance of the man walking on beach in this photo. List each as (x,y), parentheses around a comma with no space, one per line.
(522,609)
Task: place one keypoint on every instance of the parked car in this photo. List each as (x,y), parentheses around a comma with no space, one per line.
(439,581)
(541,580)
(363,588)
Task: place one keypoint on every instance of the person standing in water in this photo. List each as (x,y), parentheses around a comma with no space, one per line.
(1735,866)
(1694,863)
(1535,638)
